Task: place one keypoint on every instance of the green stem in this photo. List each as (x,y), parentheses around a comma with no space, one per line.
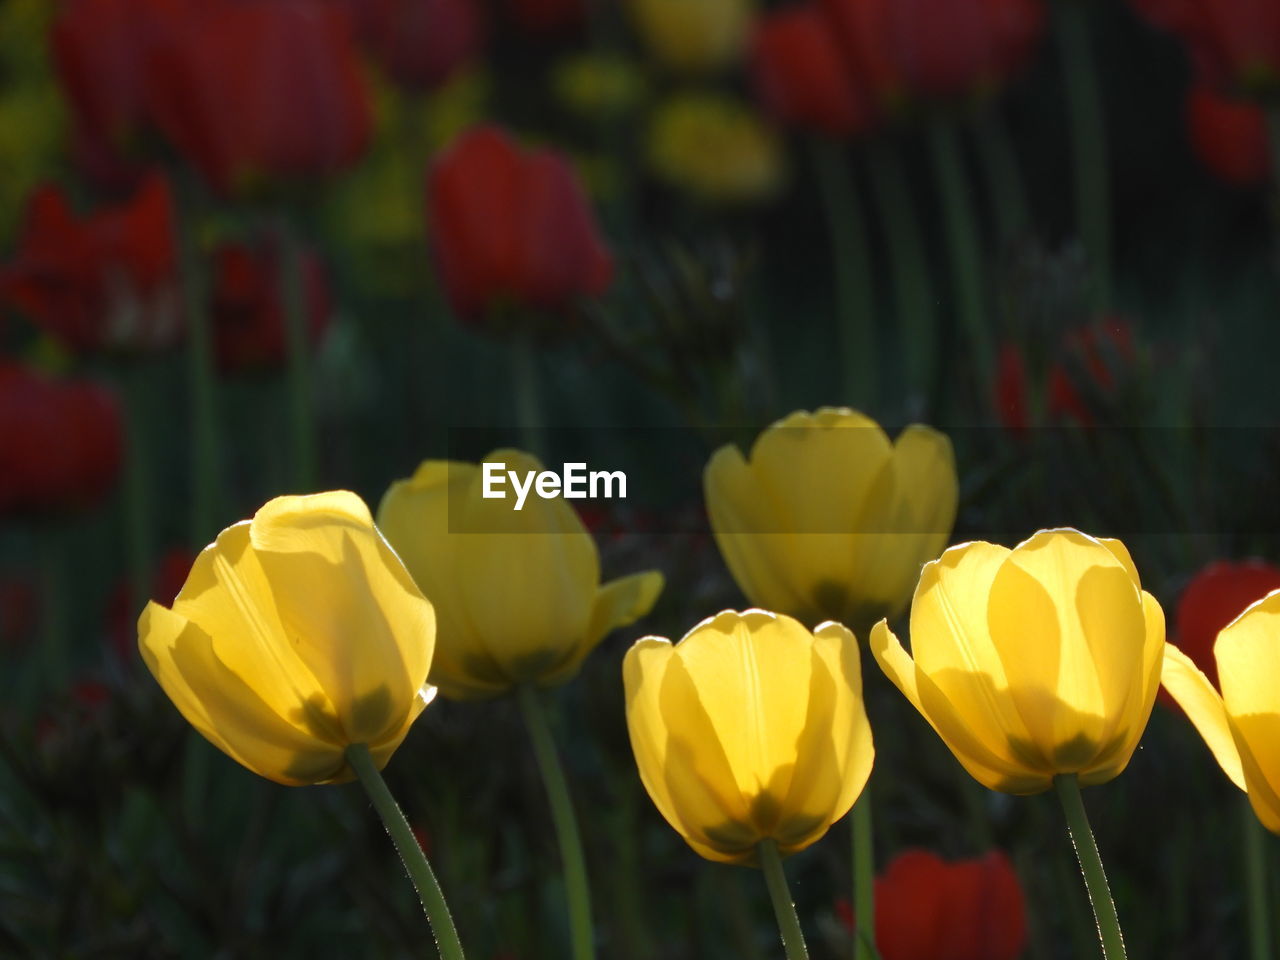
(964,243)
(137,497)
(1005,183)
(1089,144)
(783,906)
(528,396)
(908,266)
(1095,878)
(581,934)
(293,299)
(205,449)
(411,855)
(1255,868)
(864,878)
(851,264)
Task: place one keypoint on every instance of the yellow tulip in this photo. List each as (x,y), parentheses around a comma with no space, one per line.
(750,728)
(517,592)
(693,36)
(1032,662)
(1242,725)
(830,520)
(715,148)
(298,633)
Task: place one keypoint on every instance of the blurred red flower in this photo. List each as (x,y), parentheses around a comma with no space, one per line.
(512,227)
(60,442)
(124,605)
(912,50)
(547,17)
(1236,43)
(1092,360)
(254,91)
(931,909)
(107,281)
(802,75)
(1229,137)
(1215,596)
(250,329)
(420,43)
(100,52)
(1011,393)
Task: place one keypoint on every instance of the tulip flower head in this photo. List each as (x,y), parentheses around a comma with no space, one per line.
(693,36)
(517,593)
(828,519)
(750,728)
(1241,725)
(1032,662)
(298,633)
(1230,137)
(1213,598)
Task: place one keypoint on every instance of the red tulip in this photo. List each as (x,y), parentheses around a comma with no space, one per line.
(107,281)
(1229,137)
(250,328)
(913,50)
(100,51)
(252,91)
(1011,394)
(1235,43)
(1215,596)
(1098,353)
(512,227)
(803,76)
(420,43)
(60,442)
(929,909)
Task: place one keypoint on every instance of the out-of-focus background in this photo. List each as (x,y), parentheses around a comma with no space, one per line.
(250,247)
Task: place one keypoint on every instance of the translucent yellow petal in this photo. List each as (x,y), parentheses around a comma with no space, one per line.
(1256,736)
(225,709)
(619,603)
(834,751)
(642,671)
(751,533)
(1121,553)
(1068,623)
(231,599)
(416,516)
(351,610)
(1203,707)
(528,578)
(750,674)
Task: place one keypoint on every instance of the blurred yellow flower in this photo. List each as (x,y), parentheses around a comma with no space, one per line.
(517,592)
(750,728)
(716,148)
(596,85)
(297,634)
(693,36)
(830,520)
(1242,725)
(1032,662)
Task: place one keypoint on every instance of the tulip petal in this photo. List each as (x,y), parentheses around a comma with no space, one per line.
(834,748)
(331,574)
(225,709)
(1203,707)
(230,598)
(416,516)
(619,603)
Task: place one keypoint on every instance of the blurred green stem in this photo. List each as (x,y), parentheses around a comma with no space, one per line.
(527,394)
(908,265)
(293,299)
(783,906)
(411,855)
(968,277)
(581,934)
(851,266)
(1255,866)
(137,498)
(1089,144)
(864,878)
(1005,183)
(52,584)
(206,457)
(1095,878)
